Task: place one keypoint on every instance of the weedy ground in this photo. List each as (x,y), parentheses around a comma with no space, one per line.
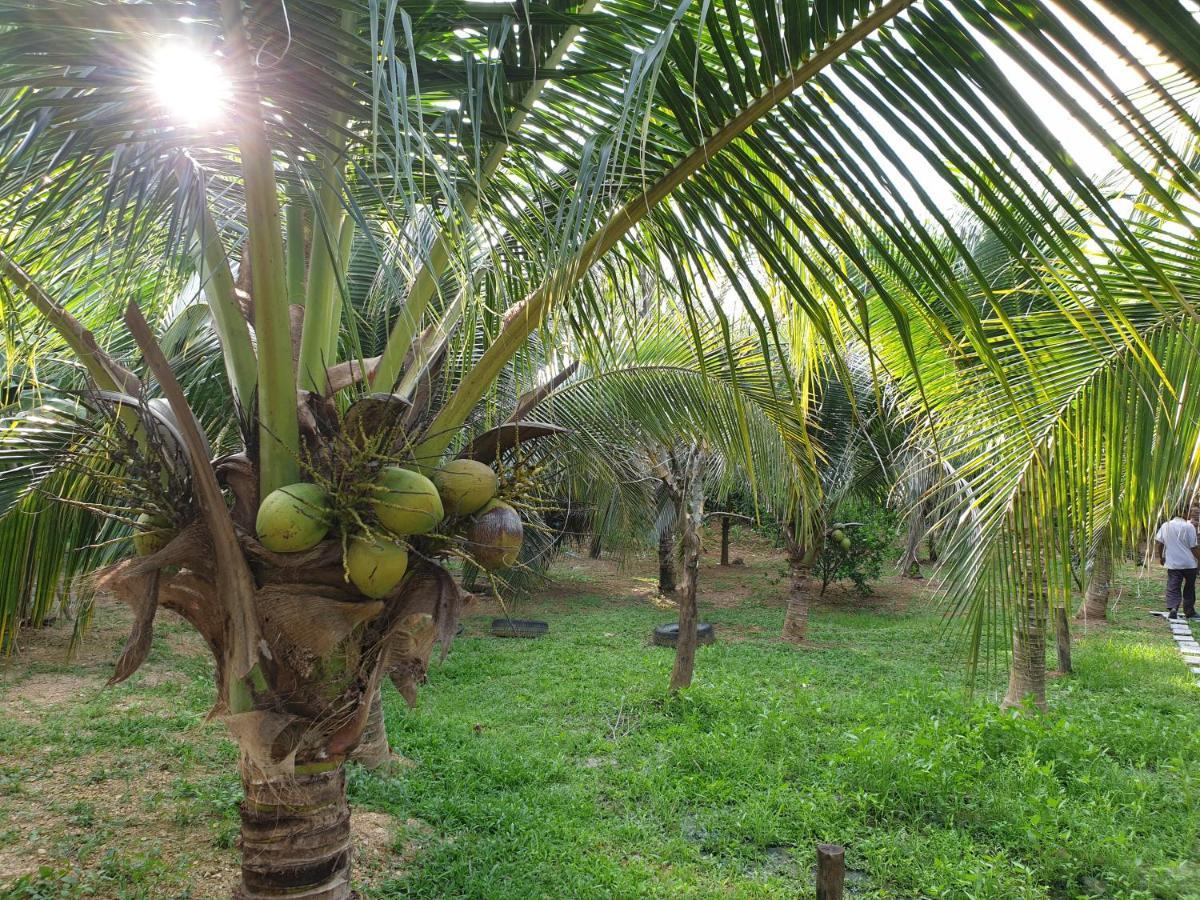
(559,767)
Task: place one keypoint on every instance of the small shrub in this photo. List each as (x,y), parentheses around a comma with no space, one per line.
(872,538)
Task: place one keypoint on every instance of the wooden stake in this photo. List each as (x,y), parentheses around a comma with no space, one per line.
(831,871)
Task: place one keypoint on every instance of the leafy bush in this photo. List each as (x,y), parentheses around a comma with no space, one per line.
(872,535)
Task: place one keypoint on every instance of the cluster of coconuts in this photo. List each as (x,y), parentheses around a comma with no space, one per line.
(840,538)
(407,504)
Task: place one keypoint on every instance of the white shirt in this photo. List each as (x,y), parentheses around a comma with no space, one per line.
(1178,537)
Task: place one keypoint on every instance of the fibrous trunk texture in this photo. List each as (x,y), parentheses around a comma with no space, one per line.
(295,836)
(1095,599)
(1062,640)
(373,750)
(666,561)
(685,648)
(690,516)
(795,620)
(594,547)
(1027,677)
(724,540)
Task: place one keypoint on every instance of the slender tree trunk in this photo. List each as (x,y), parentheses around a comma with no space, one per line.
(295,836)
(1062,640)
(594,547)
(724,540)
(1027,676)
(373,750)
(685,647)
(666,561)
(932,545)
(910,565)
(795,620)
(1095,599)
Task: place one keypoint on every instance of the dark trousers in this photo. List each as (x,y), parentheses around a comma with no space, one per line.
(1185,579)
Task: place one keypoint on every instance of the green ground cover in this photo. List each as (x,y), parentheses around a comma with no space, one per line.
(559,768)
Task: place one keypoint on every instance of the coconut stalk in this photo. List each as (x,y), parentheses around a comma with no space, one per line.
(293,217)
(216,276)
(323,281)
(278,424)
(531,312)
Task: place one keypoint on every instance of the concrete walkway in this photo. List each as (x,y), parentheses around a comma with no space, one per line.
(1182,632)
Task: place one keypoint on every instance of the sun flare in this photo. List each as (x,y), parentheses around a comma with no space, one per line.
(190,85)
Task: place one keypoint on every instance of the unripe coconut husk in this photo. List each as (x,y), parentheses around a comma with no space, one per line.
(838,535)
(152,534)
(466,486)
(406,502)
(845,542)
(376,568)
(293,518)
(494,540)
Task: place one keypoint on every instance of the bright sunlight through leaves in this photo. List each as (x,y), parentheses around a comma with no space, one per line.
(190,85)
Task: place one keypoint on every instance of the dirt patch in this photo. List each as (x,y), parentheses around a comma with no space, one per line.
(69,813)
(25,699)
(385,846)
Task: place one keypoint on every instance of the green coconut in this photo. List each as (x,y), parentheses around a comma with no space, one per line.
(845,542)
(153,533)
(293,518)
(837,535)
(376,568)
(494,539)
(466,486)
(406,502)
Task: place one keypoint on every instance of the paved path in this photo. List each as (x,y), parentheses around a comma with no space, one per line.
(1182,632)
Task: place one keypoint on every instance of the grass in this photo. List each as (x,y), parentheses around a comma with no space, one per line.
(560,768)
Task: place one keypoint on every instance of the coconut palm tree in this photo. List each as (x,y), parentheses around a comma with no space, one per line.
(1094,439)
(659,425)
(505,163)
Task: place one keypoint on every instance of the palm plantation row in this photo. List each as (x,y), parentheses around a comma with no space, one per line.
(625,256)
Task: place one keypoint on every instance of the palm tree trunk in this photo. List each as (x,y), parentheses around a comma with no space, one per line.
(685,647)
(373,751)
(724,540)
(1027,676)
(295,836)
(594,547)
(666,561)
(795,620)
(1062,640)
(1095,599)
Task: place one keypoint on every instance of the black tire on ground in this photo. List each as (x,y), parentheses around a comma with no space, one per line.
(519,628)
(668,635)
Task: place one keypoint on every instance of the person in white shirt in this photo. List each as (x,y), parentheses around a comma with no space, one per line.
(1176,545)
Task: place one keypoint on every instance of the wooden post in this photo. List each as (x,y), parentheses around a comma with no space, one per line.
(831,871)
(724,540)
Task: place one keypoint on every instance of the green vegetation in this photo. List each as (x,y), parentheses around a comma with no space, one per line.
(559,767)
(859,553)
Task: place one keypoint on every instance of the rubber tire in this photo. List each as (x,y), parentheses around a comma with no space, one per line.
(668,635)
(519,628)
